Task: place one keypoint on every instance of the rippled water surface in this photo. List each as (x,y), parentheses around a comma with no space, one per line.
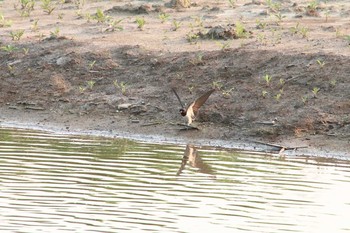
(59,183)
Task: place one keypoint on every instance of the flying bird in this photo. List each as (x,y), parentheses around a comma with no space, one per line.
(192,111)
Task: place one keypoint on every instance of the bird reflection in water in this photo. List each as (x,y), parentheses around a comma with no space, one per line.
(193,158)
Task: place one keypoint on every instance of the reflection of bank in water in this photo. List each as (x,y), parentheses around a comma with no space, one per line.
(192,156)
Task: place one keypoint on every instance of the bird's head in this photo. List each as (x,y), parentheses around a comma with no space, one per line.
(182,112)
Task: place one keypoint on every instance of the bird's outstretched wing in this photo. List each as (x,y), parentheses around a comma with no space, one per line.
(177,96)
(201,100)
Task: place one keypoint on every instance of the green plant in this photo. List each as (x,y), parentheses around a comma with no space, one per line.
(264,93)
(223,45)
(163,17)
(304,31)
(277,96)
(198,60)
(333,82)
(315,90)
(282,81)
(267,79)
(91,84)
(295,29)
(122,86)
(240,30)
(217,85)
(60,16)
(274,6)
(34,26)
(140,23)
(192,37)
(198,21)
(176,25)
(100,16)
(261,38)
(8,48)
(232,3)
(16,35)
(279,17)
(55,33)
(78,3)
(327,15)
(4,22)
(227,93)
(304,99)
(347,38)
(320,63)
(26,51)
(313,5)
(47,6)
(92,64)
(260,24)
(82,89)
(27,6)
(338,33)
(115,25)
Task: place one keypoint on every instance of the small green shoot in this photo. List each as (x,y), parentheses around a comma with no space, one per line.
(264,93)
(198,21)
(267,79)
(260,24)
(91,84)
(347,38)
(282,81)
(34,26)
(333,82)
(192,38)
(163,17)
(223,45)
(115,25)
(26,51)
(240,30)
(82,89)
(122,86)
(4,22)
(279,17)
(176,25)
(47,6)
(227,93)
(100,16)
(338,33)
(55,33)
(277,96)
(315,91)
(320,63)
(198,60)
(16,35)
(140,23)
(295,29)
(8,48)
(217,85)
(304,99)
(313,5)
(273,6)
(92,64)
(232,3)
(304,32)
(27,6)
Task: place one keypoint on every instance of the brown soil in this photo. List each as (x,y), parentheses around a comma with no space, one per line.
(74,79)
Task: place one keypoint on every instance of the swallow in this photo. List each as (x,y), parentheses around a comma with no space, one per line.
(192,111)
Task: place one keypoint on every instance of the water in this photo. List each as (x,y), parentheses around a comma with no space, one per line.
(63,183)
